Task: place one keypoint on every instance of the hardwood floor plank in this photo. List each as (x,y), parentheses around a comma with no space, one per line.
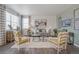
(8,50)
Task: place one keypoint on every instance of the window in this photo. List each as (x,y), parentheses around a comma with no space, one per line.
(25,23)
(15,22)
(11,20)
(8,20)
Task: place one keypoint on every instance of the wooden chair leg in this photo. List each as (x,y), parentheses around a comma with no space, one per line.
(58,50)
(66,48)
(18,49)
(27,46)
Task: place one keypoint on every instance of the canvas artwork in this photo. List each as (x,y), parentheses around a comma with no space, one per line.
(41,23)
(66,23)
(40,26)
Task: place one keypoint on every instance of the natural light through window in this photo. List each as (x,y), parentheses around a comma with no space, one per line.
(8,20)
(12,21)
(25,23)
(15,22)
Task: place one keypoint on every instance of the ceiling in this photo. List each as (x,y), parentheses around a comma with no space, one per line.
(39,9)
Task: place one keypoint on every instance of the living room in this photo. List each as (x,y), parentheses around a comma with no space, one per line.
(33,28)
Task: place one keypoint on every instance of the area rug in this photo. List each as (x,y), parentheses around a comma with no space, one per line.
(35,45)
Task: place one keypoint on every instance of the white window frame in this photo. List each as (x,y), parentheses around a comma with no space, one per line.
(11,21)
(25,22)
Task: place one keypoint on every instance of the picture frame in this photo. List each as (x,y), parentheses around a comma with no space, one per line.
(66,23)
(40,22)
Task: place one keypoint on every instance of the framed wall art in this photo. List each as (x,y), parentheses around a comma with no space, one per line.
(66,23)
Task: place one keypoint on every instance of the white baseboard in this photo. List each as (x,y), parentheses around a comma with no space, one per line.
(76,45)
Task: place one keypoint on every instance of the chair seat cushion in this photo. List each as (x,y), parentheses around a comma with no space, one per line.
(22,40)
(55,41)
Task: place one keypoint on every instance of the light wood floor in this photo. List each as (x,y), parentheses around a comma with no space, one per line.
(8,50)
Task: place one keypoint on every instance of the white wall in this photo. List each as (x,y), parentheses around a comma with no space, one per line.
(51,21)
(69,12)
